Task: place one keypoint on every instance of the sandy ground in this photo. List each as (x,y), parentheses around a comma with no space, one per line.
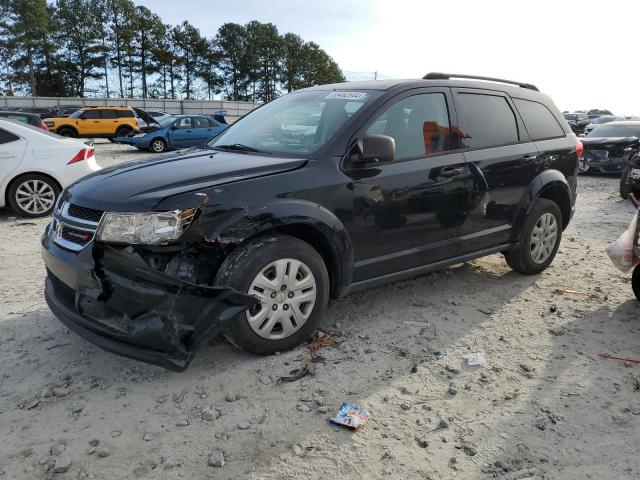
(546,407)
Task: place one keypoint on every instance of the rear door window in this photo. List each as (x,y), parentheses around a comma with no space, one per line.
(109,114)
(489,121)
(538,120)
(201,122)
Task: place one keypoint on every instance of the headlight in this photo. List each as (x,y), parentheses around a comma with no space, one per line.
(156,228)
(138,135)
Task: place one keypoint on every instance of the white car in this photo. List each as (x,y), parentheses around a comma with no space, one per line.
(35,166)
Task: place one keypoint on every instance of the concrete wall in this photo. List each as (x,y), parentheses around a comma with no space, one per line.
(234,110)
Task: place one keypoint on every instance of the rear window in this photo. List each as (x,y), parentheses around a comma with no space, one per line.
(124,113)
(7,137)
(538,119)
(488,121)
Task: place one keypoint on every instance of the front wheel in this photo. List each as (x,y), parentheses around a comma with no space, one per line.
(33,195)
(541,237)
(67,132)
(158,145)
(290,280)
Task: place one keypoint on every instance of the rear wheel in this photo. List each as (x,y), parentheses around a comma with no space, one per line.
(67,132)
(158,145)
(541,237)
(290,280)
(123,132)
(33,195)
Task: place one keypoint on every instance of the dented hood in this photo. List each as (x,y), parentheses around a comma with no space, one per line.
(607,142)
(138,186)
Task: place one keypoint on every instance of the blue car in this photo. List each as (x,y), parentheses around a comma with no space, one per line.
(178,131)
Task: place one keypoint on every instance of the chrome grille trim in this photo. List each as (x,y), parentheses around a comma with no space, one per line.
(61,218)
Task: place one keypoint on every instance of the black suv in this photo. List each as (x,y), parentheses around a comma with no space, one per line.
(251,234)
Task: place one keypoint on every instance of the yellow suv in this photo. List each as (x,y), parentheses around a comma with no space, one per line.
(103,122)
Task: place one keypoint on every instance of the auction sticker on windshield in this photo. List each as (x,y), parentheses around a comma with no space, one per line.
(342,95)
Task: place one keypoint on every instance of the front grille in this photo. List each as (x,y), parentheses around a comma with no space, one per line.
(85,213)
(78,237)
(74,227)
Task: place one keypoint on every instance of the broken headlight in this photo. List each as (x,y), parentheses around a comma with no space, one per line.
(154,228)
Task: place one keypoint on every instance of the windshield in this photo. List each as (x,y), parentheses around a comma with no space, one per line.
(620,130)
(571,116)
(295,124)
(76,114)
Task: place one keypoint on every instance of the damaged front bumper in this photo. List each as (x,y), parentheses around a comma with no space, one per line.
(116,301)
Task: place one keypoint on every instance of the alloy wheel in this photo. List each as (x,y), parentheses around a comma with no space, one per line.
(35,196)
(287,292)
(543,238)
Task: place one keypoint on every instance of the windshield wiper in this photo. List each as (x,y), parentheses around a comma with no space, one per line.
(238,147)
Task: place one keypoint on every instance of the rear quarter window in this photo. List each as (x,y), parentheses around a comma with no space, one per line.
(538,120)
(7,137)
(124,113)
(489,121)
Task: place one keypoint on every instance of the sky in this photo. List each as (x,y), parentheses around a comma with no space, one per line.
(582,53)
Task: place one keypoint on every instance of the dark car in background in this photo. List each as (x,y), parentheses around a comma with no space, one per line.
(60,111)
(609,147)
(606,119)
(251,234)
(577,121)
(25,117)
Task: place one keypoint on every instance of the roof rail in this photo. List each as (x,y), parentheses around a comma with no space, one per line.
(447,76)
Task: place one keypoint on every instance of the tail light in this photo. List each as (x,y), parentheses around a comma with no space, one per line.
(82,155)
(43,127)
(579,149)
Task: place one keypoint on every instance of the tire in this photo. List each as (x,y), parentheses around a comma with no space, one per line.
(123,131)
(635,281)
(67,132)
(158,145)
(254,263)
(625,185)
(45,188)
(111,139)
(522,258)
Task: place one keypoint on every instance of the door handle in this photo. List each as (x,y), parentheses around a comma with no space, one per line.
(452,172)
(529,158)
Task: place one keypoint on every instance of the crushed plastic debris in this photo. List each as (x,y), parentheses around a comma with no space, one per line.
(350,416)
(438,355)
(611,357)
(476,359)
(622,252)
(296,374)
(564,291)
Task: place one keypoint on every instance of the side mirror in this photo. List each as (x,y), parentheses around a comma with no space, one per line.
(375,147)
(174,127)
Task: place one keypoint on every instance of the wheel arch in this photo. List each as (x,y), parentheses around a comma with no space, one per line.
(70,127)
(304,220)
(552,185)
(22,174)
